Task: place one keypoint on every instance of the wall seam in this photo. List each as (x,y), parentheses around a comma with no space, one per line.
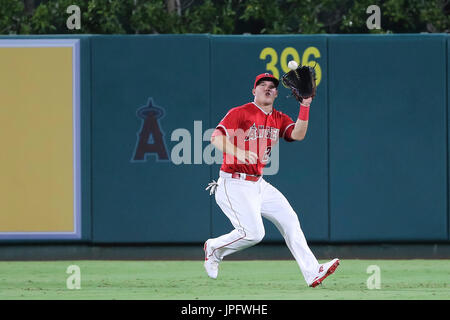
(91,161)
(446,136)
(210,124)
(328,138)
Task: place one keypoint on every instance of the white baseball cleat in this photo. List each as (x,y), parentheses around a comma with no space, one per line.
(324,271)
(211,264)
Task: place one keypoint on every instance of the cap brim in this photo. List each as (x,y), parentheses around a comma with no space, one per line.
(274,80)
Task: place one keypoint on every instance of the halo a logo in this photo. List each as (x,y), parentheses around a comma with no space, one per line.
(150,138)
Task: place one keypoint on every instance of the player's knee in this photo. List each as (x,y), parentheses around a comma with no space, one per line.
(255,236)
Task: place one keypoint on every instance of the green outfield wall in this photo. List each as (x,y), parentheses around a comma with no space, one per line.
(373,167)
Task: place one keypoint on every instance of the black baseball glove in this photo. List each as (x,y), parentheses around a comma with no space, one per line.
(301,81)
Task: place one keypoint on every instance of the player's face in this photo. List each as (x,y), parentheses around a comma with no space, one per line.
(265,93)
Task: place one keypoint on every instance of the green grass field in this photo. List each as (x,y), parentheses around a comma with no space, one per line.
(238,280)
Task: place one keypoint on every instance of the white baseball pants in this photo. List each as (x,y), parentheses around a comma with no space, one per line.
(245,203)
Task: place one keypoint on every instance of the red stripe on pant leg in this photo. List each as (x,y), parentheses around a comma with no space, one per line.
(228,244)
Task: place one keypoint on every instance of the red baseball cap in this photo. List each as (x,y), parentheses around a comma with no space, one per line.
(265,76)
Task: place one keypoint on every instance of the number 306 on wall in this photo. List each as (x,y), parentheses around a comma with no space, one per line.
(289,54)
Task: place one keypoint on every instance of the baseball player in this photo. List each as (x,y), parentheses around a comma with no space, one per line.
(245,136)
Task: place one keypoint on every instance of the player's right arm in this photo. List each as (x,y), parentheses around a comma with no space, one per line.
(221,142)
(229,129)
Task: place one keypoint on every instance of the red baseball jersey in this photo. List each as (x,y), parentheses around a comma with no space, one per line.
(250,128)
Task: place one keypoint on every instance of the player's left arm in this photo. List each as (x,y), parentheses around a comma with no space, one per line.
(301,126)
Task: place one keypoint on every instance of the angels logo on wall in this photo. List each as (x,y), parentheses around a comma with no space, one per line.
(150,138)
